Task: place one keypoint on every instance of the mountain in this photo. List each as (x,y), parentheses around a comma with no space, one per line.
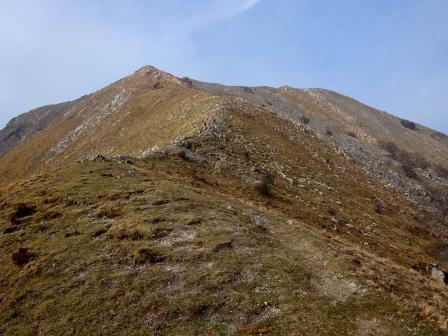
(168,206)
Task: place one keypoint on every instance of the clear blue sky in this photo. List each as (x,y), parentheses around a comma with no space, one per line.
(391,54)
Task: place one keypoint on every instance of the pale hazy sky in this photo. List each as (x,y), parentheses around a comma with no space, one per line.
(391,54)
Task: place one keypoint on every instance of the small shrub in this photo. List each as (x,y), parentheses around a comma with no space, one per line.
(408,124)
(439,135)
(409,172)
(22,210)
(440,171)
(264,185)
(328,132)
(146,255)
(21,256)
(389,147)
(10,229)
(409,161)
(187,81)
(305,120)
(99,232)
(223,246)
(72,234)
(248,90)
(332,212)
(381,207)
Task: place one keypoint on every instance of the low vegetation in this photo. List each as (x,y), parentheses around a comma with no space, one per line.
(168,246)
(177,228)
(408,124)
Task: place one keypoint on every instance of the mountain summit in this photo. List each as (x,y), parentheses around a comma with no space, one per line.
(161,205)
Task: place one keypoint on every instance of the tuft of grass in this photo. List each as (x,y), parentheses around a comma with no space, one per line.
(108,211)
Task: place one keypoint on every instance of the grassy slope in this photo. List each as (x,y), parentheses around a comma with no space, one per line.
(170,246)
(148,118)
(413,161)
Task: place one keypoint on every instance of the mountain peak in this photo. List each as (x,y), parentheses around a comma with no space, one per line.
(147,69)
(150,76)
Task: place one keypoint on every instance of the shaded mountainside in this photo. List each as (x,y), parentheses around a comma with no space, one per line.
(408,156)
(213,213)
(26,125)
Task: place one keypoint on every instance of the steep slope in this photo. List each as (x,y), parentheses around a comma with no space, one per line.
(145,109)
(410,157)
(185,241)
(26,125)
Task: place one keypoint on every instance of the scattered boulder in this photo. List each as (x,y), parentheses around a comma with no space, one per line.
(154,152)
(260,223)
(98,158)
(439,274)
(185,154)
(21,256)
(123,159)
(178,149)
(160,232)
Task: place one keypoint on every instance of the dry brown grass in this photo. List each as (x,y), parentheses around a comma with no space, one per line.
(173,247)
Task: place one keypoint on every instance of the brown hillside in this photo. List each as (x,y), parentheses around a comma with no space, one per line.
(210,214)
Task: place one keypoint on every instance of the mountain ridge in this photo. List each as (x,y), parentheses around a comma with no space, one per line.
(167,206)
(411,157)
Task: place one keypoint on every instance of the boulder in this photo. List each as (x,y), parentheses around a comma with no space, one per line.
(439,274)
